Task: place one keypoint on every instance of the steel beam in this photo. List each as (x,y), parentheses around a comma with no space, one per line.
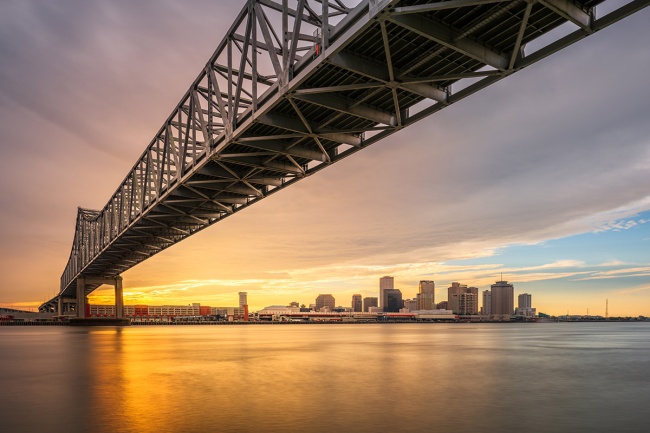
(378,72)
(295,125)
(437,6)
(445,36)
(287,149)
(571,12)
(347,106)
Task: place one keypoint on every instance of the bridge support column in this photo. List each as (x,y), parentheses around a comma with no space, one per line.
(119,299)
(83,308)
(81,297)
(59,306)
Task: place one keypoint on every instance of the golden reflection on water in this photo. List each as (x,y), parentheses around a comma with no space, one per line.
(324,378)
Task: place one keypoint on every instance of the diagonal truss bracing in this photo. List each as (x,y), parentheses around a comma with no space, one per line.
(297,85)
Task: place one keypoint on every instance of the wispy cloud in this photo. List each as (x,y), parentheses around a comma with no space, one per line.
(619,273)
(633,290)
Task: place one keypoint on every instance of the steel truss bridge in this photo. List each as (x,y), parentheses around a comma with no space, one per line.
(292,88)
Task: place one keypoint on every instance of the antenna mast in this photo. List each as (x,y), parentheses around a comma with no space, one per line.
(606,308)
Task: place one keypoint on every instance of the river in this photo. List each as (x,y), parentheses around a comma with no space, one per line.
(532,377)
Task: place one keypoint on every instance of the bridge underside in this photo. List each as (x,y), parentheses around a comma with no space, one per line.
(267,111)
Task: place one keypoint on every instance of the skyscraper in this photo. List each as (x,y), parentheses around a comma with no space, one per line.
(454,289)
(486,309)
(369,302)
(325,300)
(393,300)
(524,307)
(385,283)
(503,298)
(427,295)
(243,299)
(357,304)
(453,293)
(467,303)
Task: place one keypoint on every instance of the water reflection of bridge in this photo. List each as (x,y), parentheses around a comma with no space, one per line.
(294,87)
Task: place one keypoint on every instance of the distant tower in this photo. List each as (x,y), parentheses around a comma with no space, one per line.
(243,303)
(357,304)
(393,301)
(470,305)
(369,302)
(427,295)
(606,308)
(486,309)
(503,298)
(524,300)
(452,295)
(467,303)
(243,299)
(385,283)
(325,300)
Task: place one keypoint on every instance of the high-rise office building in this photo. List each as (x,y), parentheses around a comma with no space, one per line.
(369,302)
(325,300)
(454,289)
(357,304)
(524,306)
(503,298)
(486,309)
(467,303)
(393,300)
(427,295)
(524,300)
(385,283)
(453,298)
(243,299)
(442,305)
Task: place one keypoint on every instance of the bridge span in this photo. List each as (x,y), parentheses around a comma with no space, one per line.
(295,86)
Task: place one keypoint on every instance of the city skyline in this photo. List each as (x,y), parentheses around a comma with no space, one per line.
(559,205)
(455,291)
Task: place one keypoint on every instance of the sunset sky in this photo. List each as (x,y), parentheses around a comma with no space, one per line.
(544,176)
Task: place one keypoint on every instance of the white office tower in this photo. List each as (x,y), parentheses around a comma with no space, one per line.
(486,309)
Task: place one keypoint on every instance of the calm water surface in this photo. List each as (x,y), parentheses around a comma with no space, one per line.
(555,377)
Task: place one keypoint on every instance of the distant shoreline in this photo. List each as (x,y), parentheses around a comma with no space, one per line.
(57,323)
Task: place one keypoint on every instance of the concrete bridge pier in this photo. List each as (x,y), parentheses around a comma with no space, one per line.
(83,308)
(65,306)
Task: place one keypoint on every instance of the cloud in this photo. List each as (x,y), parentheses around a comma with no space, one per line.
(619,273)
(633,290)
(617,226)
